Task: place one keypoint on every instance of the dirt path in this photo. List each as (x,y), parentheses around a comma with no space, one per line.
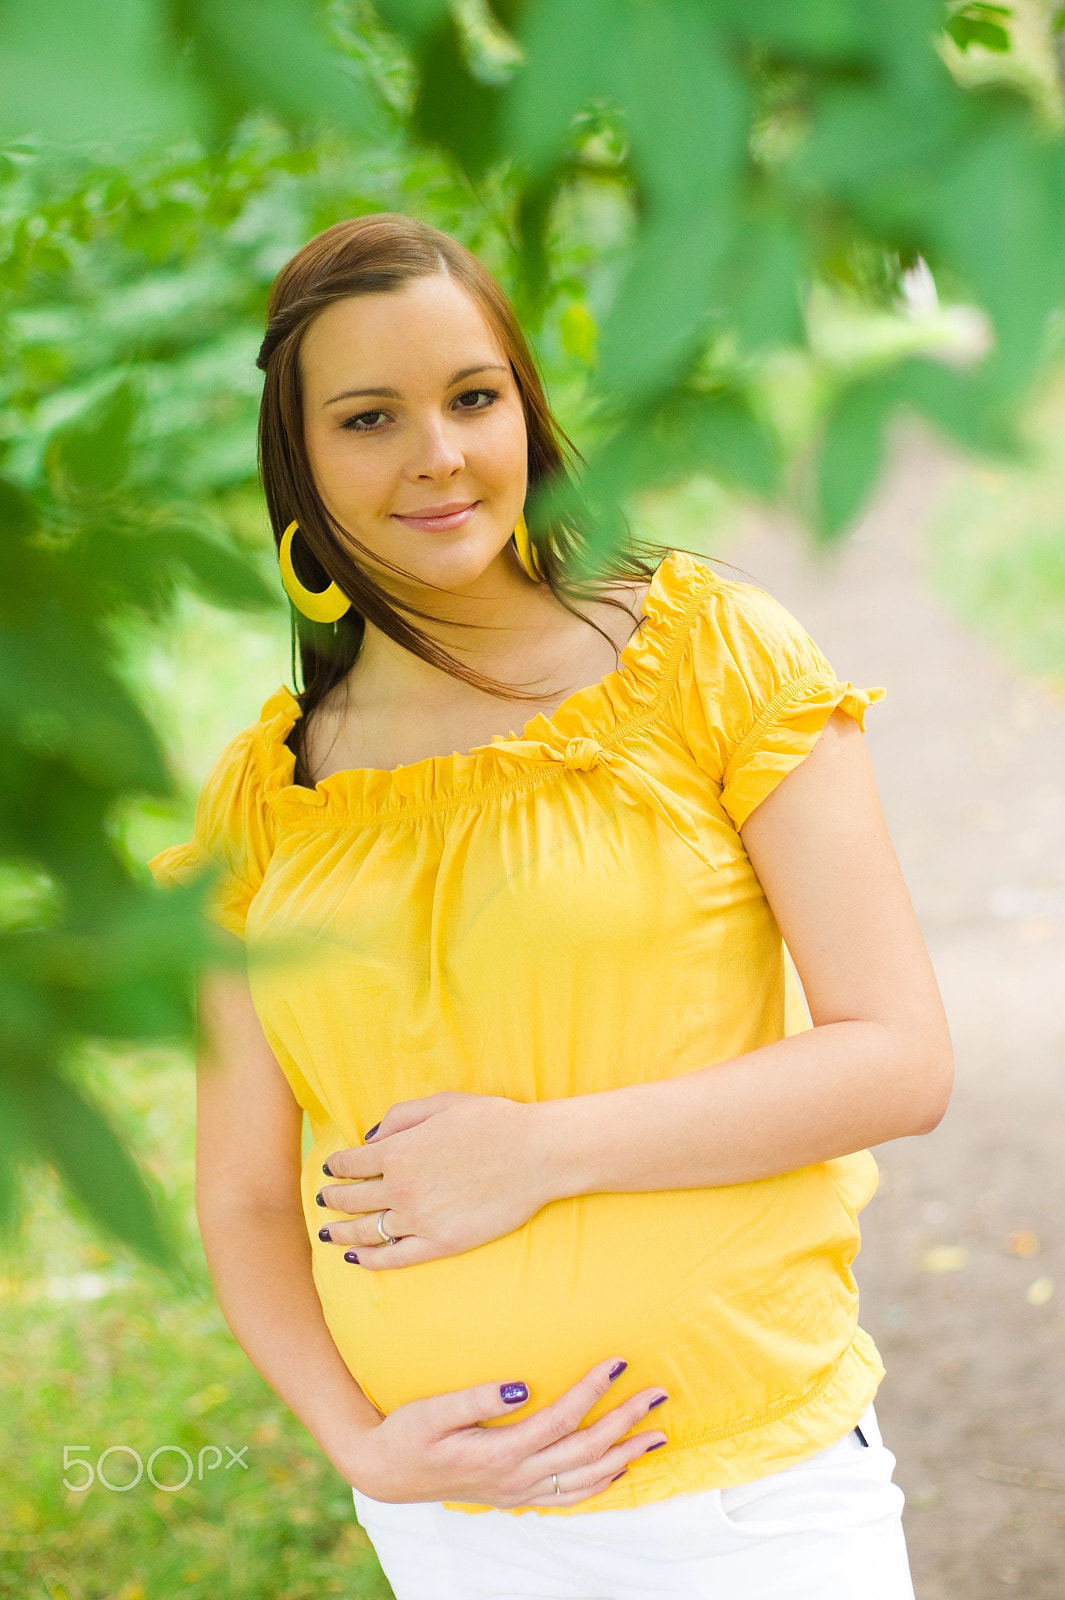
(971,762)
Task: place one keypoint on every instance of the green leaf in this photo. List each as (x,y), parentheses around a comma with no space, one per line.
(532,225)
(58,695)
(966,30)
(723,438)
(220,574)
(74,72)
(273,55)
(716,434)
(15,1152)
(852,452)
(411,19)
(997,218)
(963,405)
(18,513)
(72,1133)
(129,978)
(816,29)
(689,184)
(453,108)
(767,284)
(664,304)
(91,454)
(569,47)
(976,22)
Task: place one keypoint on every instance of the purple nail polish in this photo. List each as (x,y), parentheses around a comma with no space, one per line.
(662,1398)
(656,1446)
(349,1255)
(372,1131)
(325,1169)
(318,1199)
(323,1233)
(622,1473)
(513,1394)
(616,1370)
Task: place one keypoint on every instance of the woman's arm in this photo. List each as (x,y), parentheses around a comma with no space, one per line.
(462,1169)
(255,1239)
(877,1063)
(248,1129)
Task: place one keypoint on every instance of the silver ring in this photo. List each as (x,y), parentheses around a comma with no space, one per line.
(554,1480)
(386,1238)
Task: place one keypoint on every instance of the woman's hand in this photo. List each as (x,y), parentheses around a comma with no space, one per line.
(437,1449)
(450,1172)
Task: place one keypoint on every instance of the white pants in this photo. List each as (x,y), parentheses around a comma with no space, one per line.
(828,1528)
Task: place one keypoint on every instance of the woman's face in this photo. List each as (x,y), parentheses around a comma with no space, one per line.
(415,429)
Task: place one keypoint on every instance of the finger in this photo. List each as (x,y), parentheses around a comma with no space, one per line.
(580,1472)
(407,1114)
(397,1119)
(562,1417)
(361,1231)
(358,1161)
(482,1402)
(408,1252)
(544,1495)
(586,1445)
(587,1481)
(354,1198)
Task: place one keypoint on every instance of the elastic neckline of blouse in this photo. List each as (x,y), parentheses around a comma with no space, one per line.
(607,711)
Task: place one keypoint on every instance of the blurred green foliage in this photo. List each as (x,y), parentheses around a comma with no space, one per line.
(997,543)
(95,1352)
(976,22)
(691,202)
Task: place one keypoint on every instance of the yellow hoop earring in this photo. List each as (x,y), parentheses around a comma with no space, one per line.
(528,554)
(320,605)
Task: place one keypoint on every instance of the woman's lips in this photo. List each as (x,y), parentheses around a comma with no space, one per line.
(438,523)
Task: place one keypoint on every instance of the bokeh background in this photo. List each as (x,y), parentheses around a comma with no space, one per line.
(860,409)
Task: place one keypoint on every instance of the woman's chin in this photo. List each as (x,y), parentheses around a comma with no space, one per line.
(452,564)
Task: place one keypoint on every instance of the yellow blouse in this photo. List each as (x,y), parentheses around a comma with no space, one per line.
(560,913)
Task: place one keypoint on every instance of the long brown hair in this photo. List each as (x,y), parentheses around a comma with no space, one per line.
(373,255)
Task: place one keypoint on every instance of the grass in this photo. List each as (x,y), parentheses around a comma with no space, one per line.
(97,1351)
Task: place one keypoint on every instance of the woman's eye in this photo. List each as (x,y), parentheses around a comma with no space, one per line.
(361,424)
(490,394)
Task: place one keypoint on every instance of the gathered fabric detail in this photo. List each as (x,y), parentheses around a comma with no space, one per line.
(620,703)
(586,754)
(784,735)
(180,864)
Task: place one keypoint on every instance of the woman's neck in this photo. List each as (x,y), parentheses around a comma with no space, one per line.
(516,634)
(394,709)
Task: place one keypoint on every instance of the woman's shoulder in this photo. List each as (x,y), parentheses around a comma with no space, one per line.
(256,756)
(752,690)
(250,766)
(730,619)
(231,827)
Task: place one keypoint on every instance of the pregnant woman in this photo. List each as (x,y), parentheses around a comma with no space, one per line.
(563,1285)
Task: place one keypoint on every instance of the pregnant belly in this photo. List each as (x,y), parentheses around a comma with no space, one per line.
(734,1300)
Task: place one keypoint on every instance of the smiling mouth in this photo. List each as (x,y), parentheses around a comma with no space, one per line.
(439,517)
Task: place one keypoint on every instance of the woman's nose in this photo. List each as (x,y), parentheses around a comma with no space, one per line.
(438,454)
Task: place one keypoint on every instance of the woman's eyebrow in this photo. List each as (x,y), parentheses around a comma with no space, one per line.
(394,394)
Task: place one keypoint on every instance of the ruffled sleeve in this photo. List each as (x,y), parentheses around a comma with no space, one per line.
(755,693)
(231,835)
